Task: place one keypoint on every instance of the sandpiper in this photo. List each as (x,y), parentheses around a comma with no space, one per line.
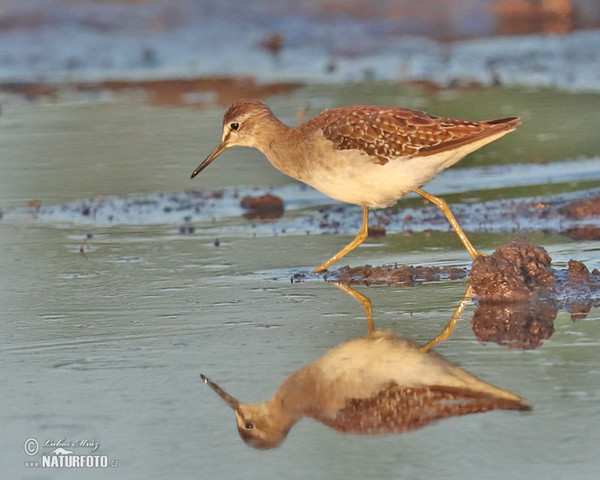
(365,155)
(375,384)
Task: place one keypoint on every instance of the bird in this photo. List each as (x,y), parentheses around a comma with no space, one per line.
(376,384)
(369,156)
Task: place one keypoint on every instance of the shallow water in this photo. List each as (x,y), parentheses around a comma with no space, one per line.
(109,346)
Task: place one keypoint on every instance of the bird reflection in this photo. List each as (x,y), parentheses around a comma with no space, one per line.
(375,384)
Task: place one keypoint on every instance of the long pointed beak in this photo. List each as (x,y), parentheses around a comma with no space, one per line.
(232,402)
(214,154)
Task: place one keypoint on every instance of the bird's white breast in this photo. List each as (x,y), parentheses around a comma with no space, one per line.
(358,180)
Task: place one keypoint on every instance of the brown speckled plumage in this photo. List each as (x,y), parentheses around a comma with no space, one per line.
(390,133)
(397,409)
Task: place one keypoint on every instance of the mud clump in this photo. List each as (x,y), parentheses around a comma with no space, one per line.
(30,91)
(581,289)
(519,271)
(265,207)
(577,272)
(584,232)
(519,294)
(580,209)
(516,290)
(376,231)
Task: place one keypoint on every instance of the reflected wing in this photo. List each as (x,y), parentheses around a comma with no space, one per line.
(398,409)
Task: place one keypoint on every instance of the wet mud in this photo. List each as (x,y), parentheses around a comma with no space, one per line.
(586,232)
(577,218)
(518,293)
(580,209)
(522,272)
(584,210)
(265,207)
(398,275)
(519,271)
(575,215)
(522,326)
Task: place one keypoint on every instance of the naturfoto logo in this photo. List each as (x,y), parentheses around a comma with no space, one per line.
(64,455)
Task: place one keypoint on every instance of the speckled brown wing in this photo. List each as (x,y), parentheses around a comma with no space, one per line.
(386,134)
(397,409)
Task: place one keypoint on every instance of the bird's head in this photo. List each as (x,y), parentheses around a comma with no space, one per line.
(261,425)
(241,127)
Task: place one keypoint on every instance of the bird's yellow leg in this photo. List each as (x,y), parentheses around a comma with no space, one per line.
(360,238)
(362,299)
(449,329)
(443,206)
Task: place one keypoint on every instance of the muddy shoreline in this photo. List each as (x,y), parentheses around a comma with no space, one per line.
(519,272)
(518,293)
(200,92)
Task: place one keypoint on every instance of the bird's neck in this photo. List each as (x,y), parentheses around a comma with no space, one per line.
(284,149)
(278,414)
(299,396)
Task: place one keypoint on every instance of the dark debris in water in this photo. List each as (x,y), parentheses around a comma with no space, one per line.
(376,231)
(580,209)
(584,232)
(264,207)
(187,229)
(394,275)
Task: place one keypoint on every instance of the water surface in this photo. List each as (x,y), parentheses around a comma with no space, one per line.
(109,346)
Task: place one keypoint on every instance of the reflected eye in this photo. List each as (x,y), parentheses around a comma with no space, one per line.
(234,126)
(248,426)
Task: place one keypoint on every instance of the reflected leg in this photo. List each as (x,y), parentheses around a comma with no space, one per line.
(360,238)
(449,329)
(363,300)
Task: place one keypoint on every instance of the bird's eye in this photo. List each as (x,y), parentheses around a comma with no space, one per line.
(248,426)
(234,126)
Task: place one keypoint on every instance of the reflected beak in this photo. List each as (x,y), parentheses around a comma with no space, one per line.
(232,402)
(214,154)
